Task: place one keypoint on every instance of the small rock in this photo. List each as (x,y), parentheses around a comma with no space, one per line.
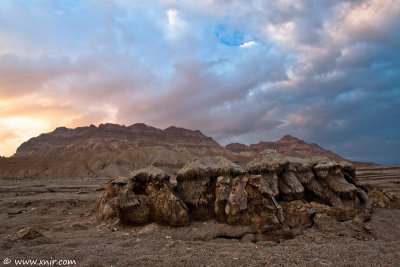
(150,228)
(368,228)
(381,204)
(26,233)
(249,238)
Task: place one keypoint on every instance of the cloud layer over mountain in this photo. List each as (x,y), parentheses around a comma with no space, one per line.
(324,71)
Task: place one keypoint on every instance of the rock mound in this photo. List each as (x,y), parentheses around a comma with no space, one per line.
(276,196)
(382,199)
(146,196)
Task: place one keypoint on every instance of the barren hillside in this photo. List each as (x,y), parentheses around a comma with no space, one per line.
(115,150)
(292,147)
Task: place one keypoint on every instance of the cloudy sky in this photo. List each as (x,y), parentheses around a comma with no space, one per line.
(240,71)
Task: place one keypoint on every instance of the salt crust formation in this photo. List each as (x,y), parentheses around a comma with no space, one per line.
(275,196)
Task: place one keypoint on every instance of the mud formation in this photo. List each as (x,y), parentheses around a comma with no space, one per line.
(276,196)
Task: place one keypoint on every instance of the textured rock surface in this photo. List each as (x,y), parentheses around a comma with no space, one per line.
(276,196)
(144,197)
(380,198)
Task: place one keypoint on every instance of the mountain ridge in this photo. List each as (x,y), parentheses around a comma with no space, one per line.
(291,146)
(111,150)
(111,137)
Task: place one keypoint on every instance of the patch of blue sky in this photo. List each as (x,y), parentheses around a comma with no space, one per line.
(230,36)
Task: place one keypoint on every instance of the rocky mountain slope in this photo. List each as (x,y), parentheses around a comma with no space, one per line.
(115,150)
(291,147)
(113,137)
(108,150)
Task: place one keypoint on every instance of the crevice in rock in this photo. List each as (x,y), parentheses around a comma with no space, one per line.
(229,237)
(139,188)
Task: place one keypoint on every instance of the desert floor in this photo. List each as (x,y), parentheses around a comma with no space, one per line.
(59,211)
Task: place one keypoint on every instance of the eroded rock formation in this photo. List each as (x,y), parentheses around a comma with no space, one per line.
(277,196)
(147,196)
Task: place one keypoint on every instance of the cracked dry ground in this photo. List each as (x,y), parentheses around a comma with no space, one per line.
(57,211)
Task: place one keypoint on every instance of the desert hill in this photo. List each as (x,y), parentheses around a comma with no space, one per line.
(111,150)
(291,147)
(108,150)
(113,137)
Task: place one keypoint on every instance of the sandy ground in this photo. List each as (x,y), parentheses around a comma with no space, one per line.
(59,212)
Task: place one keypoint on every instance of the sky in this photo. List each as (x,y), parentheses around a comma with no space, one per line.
(240,71)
